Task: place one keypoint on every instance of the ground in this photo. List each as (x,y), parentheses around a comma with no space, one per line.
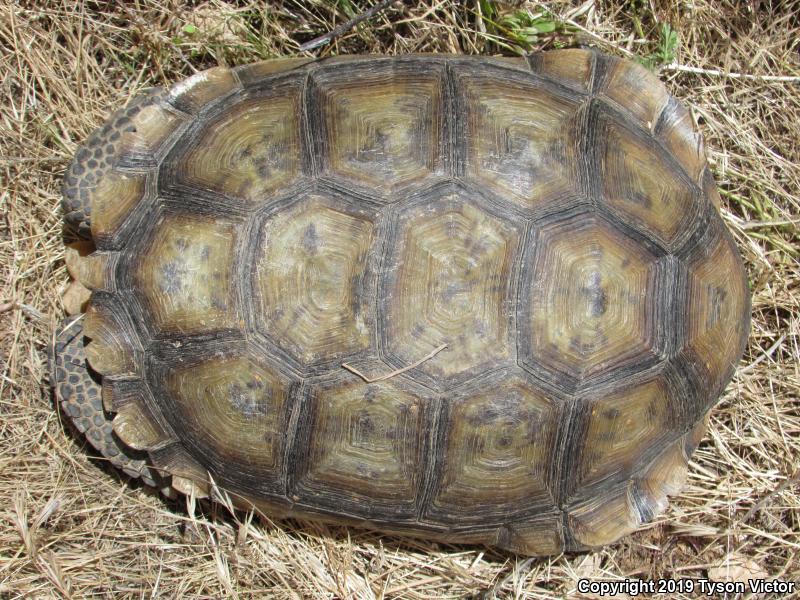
(69,527)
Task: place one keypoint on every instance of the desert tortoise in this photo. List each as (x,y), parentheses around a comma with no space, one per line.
(479,300)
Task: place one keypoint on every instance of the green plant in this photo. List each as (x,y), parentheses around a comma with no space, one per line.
(665,50)
(520,30)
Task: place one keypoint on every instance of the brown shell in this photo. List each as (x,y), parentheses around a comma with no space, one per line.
(549,219)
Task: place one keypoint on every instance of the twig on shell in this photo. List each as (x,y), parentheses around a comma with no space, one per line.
(398,371)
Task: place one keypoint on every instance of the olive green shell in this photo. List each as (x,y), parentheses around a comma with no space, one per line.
(551,221)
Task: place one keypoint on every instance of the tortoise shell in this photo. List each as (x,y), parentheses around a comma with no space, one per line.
(479,300)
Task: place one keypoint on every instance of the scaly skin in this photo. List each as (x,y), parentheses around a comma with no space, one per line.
(92,160)
(79,395)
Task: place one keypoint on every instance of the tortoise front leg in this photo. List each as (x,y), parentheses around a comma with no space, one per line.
(79,395)
(93,160)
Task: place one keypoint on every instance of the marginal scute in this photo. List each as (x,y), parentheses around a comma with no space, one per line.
(364,447)
(75,298)
(683,139)
(541,537)
(450,282)
(604,519)
(520,141)
(187,475)
(710,190)
(120,390)
(152,126)
(518,63)
(111,350)
(310,279)
(255,73)
(185,274)
(112,201)
(135,426)
(693,438)
(498,450)
(382,126)
(664,477)
(94,270)
(636,89)
(192,93)
(588,300)
(189,486)
(571,67)
(73,253)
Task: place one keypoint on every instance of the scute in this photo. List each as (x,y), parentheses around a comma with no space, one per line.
(193,93)
(251,151)
(234,411)
(311,276)
(381,123)
(640,183)
(497,453)
(450,271)
(665,476)
(184,275)
(635,89)
(363,449)
(717,310)
(152,128)
(112,347)
(571,67)
(622,427)
(136,426)
(541,537)
(259,73)
(522,254)
(588,302)
(521,141)
(677,131)
(604,519)
(114,198)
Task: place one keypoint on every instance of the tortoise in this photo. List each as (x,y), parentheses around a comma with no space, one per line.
(478,300)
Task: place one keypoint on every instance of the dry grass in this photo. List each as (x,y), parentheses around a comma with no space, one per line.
(70,528)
